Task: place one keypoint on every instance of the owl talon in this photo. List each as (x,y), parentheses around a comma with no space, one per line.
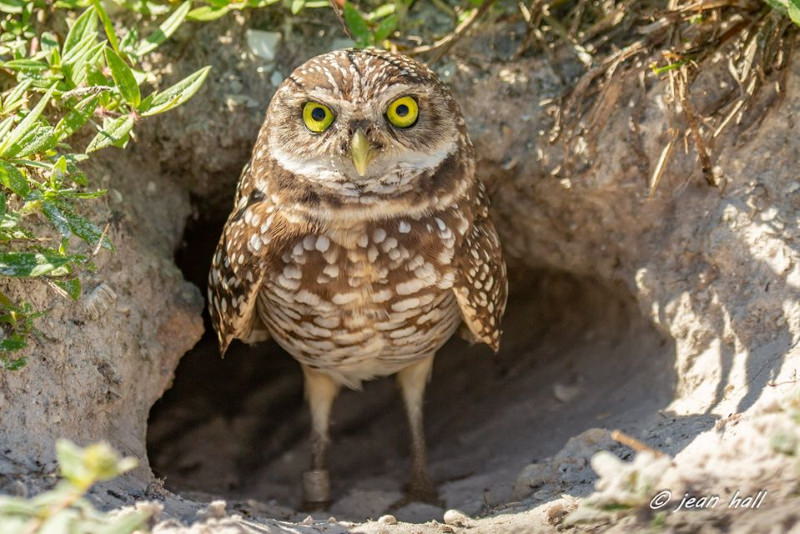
(316,489)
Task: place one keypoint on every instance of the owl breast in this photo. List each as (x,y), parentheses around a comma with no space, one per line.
(364,302)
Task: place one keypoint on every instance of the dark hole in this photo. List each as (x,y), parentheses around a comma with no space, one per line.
(237,428)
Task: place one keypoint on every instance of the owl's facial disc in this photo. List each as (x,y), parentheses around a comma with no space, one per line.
(362,122)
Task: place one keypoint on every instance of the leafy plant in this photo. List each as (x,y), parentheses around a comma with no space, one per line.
(86,79)
(64,508)
(373,28)
(791,8)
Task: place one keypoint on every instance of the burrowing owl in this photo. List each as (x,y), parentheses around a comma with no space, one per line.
(360,238)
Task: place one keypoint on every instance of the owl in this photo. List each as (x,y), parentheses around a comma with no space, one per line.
(360,239)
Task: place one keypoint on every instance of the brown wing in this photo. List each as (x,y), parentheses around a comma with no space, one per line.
(253,235)
(481,284)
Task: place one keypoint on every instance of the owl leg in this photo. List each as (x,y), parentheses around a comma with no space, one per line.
(413,380)
(321,391)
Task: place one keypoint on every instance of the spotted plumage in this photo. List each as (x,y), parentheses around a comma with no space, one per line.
(360,238)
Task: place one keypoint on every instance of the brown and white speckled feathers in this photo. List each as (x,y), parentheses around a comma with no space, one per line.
(359,274)
(481,285)
(253,234)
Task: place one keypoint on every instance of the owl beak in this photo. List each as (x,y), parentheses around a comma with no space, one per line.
(361,151)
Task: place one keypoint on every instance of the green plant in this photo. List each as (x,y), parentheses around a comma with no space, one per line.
(790,8)
(373,28)
(64,508)
(59,82)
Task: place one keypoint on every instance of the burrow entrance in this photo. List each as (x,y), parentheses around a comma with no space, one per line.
(576,354)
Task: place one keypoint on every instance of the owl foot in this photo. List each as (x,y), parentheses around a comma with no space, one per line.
(316,490)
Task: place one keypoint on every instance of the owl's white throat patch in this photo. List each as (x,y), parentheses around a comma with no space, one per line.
(388,172)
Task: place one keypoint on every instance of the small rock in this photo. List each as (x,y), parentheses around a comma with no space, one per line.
(263,44)
(455,518)
(214,510)
(276,78)
(387,519)
(566,392)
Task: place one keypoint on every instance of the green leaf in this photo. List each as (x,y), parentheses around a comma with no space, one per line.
(71,287)
(6,124)
(12,7)
(14,98)
(793,8)
(115,132)
(49,41)
(84,229)
(357,24)
(124,78)
(11,178)
(175,95)
(16,506)
(385,29)
(83,467)
(87,231)
(26,65)
(31,264)
(107,25)
(80,48)
(76,70)
(84,27)
(40,139)
(76,117)
(207,13)
(382,11)
(124,524)
(166,29)
(9,345)
(297,6)
(58,219)
(26,124)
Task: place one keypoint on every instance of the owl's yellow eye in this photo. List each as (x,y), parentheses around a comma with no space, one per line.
(403,112)
(317,117)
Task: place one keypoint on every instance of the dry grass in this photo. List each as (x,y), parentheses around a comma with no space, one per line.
(676,42)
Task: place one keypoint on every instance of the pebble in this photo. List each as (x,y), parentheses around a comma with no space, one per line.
(263,44)
(214,510)
(387,519)
(455,518)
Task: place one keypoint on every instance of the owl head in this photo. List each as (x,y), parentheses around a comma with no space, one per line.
(362,122)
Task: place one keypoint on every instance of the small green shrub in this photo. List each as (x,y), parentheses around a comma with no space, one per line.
(59,81)
(64,508)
